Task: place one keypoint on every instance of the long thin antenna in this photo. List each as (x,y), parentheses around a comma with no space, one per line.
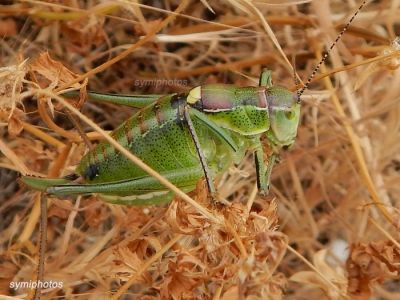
(325,56)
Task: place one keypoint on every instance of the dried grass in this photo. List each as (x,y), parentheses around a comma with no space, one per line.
(328,230)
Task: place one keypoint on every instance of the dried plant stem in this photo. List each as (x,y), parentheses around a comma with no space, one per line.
(13,158)
(384,232)
(80,130)
(35,212)
(32,220)
(85,257)
(40,209)
(101,9)
(14,168)
(236,238)
(218,292)
(37,132)
(237,65)
(270,33)
(72,136)
(312,267)
(302,198)
(145,266)
(357,149)
(252,197)
(378,58)
(42,135)
(128,51)
(69,228)
(322,9)
(238,257)
(137,234)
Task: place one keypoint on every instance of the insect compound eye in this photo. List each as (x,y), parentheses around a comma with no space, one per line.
(290,114)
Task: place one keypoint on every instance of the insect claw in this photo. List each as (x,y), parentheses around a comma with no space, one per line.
(264,192)
(216,199)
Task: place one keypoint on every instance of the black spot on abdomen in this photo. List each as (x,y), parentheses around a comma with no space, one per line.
(91,172)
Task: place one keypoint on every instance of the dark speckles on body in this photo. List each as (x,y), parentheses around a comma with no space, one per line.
(104,151)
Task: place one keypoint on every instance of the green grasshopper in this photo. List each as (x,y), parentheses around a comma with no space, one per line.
(184,137)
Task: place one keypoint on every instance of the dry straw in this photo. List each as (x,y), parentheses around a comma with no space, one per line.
(328,229)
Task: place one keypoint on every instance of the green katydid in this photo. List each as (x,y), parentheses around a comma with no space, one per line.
(185,137)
